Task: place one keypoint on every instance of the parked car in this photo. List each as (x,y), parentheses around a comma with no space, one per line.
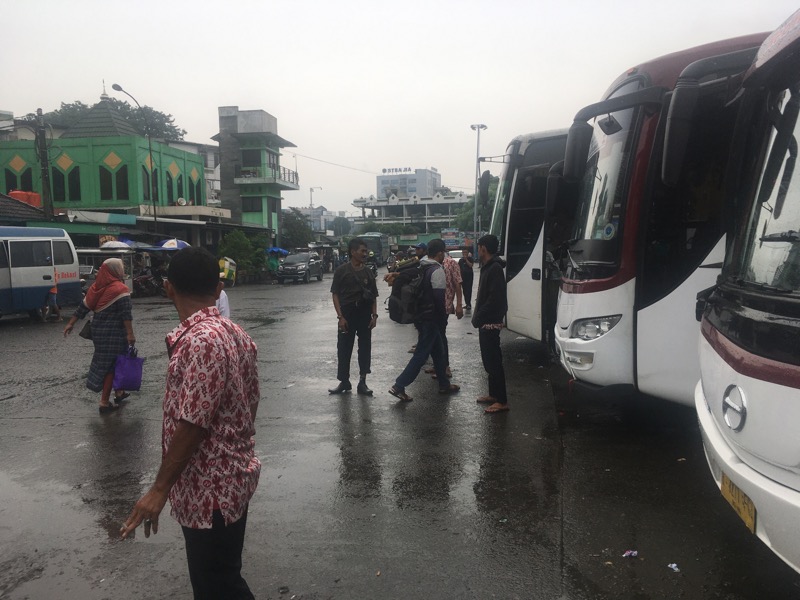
(456,254)
(300,267)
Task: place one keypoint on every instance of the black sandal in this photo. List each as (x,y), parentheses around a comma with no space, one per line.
(400,394)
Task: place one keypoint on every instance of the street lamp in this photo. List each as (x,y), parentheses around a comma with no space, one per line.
(311,195)
(117,87)
(476,127)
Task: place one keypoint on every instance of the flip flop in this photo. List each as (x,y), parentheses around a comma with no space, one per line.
(450,390)
(430,370)
(124,396)
(486,400)
(497,408)
(401,395)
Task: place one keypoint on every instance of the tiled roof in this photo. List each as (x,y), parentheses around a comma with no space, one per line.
(101,121)
(13,210)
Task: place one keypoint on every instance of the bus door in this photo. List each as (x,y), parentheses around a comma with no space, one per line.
(682,254)
(32,273)
(5,281)
(525,253)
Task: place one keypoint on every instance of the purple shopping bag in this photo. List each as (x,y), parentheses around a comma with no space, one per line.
(128,370)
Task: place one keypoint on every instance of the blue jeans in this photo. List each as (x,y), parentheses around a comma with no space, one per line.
(429,343)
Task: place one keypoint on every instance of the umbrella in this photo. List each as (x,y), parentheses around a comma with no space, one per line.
(173,244)
(277,250)
(115,244)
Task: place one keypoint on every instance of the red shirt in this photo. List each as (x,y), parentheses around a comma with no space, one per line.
(212,382)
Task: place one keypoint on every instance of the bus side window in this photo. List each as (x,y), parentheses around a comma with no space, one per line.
(30,254)
(62,253)
(3,256)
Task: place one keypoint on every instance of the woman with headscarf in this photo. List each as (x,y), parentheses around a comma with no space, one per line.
(112,329)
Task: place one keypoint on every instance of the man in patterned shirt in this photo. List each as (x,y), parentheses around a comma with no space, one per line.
(209,470)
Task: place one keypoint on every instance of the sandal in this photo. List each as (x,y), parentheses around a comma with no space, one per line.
(486,400)
(452,389)
(430,370)
(104,410)
(435,376)
(121,397)
(401,394)
(497,408)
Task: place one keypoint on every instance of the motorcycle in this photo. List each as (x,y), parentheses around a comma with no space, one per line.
(148,285)
(373,267)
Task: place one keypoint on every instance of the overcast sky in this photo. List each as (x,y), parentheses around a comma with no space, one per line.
(363,84)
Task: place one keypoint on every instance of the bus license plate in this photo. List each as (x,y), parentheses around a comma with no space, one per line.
(740,502)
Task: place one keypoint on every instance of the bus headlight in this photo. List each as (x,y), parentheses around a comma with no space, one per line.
(590,329)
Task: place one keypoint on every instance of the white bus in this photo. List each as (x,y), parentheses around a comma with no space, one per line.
(748,398)
(526,237)
(30,260)
(645,242)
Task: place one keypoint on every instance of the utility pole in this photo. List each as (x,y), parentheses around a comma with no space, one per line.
(477,127)
(44,162)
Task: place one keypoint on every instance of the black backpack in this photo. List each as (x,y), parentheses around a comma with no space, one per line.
(407,291)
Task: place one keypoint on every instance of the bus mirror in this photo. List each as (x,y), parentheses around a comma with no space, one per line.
(554,178)
(679,125)
(578,140)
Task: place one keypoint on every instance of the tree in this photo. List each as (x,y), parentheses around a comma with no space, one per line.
(162,126)
(341,226)
(235,245)
(294,231)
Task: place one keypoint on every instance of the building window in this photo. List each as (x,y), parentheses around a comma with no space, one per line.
(180,186)
(170,191)
(252,205)
(199,192)
(122,183)
(106,184)
(191,193)
(26,180)
(251,158)
(74,181)
(59,183)
(155,185)
(145,184)
(11,181)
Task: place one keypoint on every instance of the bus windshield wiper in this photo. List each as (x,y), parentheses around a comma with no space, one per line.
(762,287)
(785,236)
(574,264)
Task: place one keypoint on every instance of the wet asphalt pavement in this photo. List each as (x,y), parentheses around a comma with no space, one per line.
(369,498)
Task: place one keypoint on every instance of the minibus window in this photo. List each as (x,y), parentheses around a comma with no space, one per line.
(3,257)
(30,254)
(62,254)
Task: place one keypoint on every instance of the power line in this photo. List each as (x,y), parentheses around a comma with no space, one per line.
(327,162)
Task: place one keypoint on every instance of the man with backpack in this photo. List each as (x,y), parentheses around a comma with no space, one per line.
(429,316)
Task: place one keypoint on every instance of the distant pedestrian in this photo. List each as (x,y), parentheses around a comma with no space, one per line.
(209,470)
(355,299)
(466,263)
(223,306)
(421,250)
(51,306)
(491,306)
(112,329)
(430,319)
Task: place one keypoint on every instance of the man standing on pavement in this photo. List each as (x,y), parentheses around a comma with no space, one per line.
(355,298)
(490,311)
(452,293)
(209,470)
(430,319)
(466,264)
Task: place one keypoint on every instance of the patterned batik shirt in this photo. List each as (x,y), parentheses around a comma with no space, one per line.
(452,274)
(212,382)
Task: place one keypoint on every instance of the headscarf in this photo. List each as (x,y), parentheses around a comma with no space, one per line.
(108,287)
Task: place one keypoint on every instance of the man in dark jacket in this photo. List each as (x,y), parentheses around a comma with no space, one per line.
(430,319)
(490,312)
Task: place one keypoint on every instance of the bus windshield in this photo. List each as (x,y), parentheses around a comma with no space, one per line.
(601,199)
(771,255)
(503,195)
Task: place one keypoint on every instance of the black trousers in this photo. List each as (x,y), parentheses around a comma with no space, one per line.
(358,318)
(215,560)
(466,288)
(492,358)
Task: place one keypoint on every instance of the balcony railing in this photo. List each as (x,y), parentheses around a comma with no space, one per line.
(267,175)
